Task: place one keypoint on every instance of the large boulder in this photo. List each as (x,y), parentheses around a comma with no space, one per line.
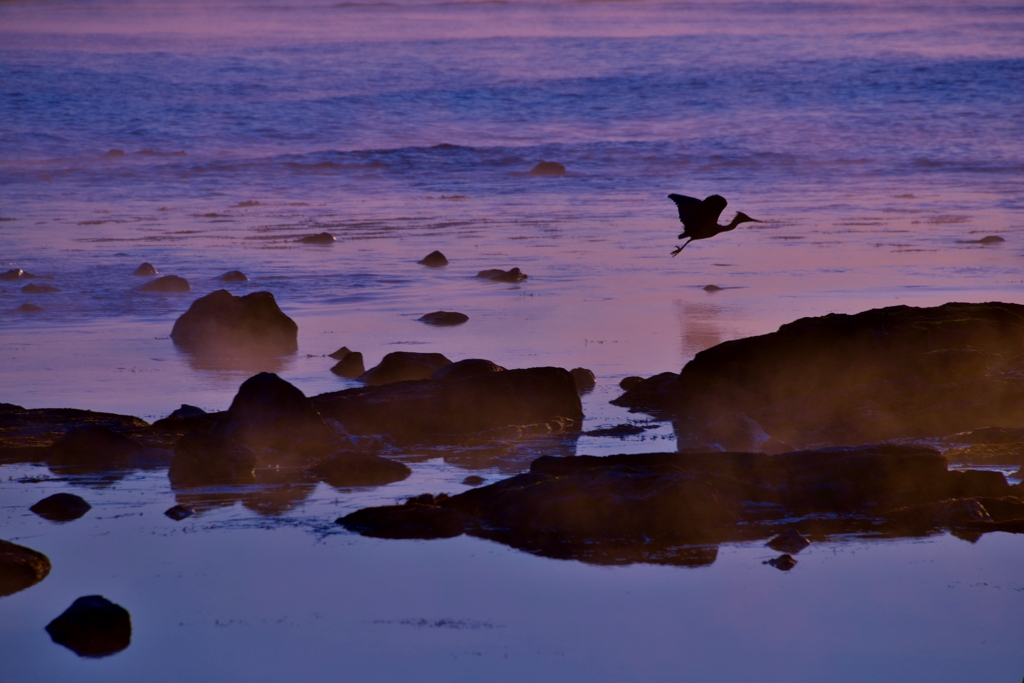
(223,324)
(897,372)
(268,412)
(627,508)
(20,568)
(401,366)
(92,627)
(426,410)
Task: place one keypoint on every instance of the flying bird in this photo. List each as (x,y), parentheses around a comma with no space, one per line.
(700,218)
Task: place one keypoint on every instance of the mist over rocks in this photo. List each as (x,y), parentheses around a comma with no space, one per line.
(889,373)
(222,324)
(168,284)
(20,568)
(401,366)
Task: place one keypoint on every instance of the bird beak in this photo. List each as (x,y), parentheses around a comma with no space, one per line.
(754,220)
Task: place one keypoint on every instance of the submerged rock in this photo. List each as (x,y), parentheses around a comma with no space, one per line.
(401,366)
(584,379)
(473,480)
(889,373)
(547,168)
(92,627)
(61,507)
(712,288)
(498,275)
(233,276)
(353,468)
(444,318)
(16,274)
(20,568)
(28,308)
(418,411)
(145,270)
(91,448)
(420,517)
(203,459)
(223,324)
(791,541)
(350,366)
(782,562)
(321,238)
(39,289)
(434,259)
(466,368)
(167,284)
(179,512)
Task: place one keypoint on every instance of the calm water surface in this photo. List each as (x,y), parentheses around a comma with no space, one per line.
(876,142)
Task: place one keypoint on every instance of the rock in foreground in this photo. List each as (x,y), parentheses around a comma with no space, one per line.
(92,627)
(897,372)
(227,325)
(20,568)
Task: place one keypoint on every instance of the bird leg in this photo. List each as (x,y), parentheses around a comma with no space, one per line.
(679,249)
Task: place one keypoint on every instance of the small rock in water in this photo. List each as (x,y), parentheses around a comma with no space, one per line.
(179,512)
(352,468)
(712,288)
(187,411)
(28,308)
(434,259)
(234,276)
(201,459)
(20,568)
(548,168)
(340,353)
(991,239)
(628,383)
(114,153)
(167,284)
(400,366)
(444,318)
(61,507)
(350,366)
(473,480)
(92,627)
(499,275)
(145,270)
(322,238)
(14,274)
(246,204)
(783,562)
(38,289)
(467,368)
(585,380)
(791,541)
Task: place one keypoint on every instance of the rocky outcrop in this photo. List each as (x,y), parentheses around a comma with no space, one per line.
(93,448)
(17,274)
(627,383)
(512,275)
(354,468)
(20,568)
(61,507)
(434,259)
(92,627)
(426,410)
(444,318)
(167,284)
(629,508)
(233,276)
(888,373)
(467,368)
(27,433)
(401,366)
(205,459)
(145,270)
(548,168)
(28,308)
(350,365)
(320,238)
(227,325)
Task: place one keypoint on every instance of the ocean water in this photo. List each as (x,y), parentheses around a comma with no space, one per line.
(877,142)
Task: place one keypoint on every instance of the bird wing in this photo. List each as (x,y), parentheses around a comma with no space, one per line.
(712,207)
(688,209)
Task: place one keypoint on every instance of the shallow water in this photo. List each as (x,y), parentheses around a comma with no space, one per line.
(875,142)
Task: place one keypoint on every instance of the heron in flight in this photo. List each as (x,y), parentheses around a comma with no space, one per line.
(700,218)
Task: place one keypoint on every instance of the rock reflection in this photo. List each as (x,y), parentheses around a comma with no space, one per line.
(229,367)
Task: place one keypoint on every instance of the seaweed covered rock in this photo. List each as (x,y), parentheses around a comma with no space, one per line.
(427,410)
(92,627)
(20,568)
(897,372)
(401,366)
(222,324)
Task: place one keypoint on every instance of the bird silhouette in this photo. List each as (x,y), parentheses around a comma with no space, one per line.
(700,218)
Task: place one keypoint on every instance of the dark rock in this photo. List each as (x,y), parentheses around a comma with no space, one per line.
(340,353)
(434,259)
(186,419)
(497,275)
(202,459)
(20,568)
(186,411)
(351,366)
(28,308)
(353,468)
(246,204)
(627,383)
(546,168)
(420,411)
(991,239)
(250,325)
(91,448)
(791,541)
(268,412)
(167,284)
(466,368)
(17,274)
(473,480)
(321,238)
(783,562)
(584,379)
(61,507)
(38,289)
(420,517)
(145,270)
(114,154)
(897,372)
(400,366)
(959,512)
(712,288)
(234,276)
(179,512)
(27,434)
(618,430)
(444,318)
(92,627)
